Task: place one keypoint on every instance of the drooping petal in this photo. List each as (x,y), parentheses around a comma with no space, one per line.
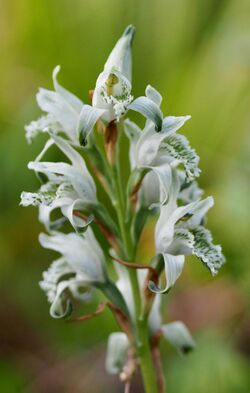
(87,119)
(49,284)
(45,196)
(177,147)
(60,307)
(210,254)
(64,198)
(149,109)
(52,103)
(173,268)
(179,336)
(60,172)
(45,123)
(82,252)
(53,285)
(117,351)
(63,106)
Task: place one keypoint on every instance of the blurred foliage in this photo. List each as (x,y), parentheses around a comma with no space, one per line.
(197,53)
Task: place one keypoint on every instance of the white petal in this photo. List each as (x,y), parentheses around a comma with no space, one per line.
(173,268)
(133,132)
(182,243)
(149,109)
(154,318)
(52,103)
(116,352)
(203,247)
(87,119)
(179,336)
(164,174)
(153,95)
(178,149)
(70,98)
(171,124)
(120,57)
(189,191)
(83,253)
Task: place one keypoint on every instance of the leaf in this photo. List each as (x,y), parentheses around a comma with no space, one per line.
(139,220)
(179,336)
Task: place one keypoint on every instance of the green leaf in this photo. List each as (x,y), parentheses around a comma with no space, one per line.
(139,220)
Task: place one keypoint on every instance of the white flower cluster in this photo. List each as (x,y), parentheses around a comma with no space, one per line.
(163,176)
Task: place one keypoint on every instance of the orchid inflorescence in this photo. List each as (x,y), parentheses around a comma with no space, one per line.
(162,182)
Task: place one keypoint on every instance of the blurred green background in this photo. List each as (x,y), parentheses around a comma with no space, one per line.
(197,53)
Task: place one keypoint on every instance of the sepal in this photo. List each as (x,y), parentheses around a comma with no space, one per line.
(179,336)
(117,352)
(146,107)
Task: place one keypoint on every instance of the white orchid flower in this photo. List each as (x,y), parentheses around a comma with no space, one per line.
(62,107)
(70,186)
(179,232)
(82,259)
(158,151)
(65,113)
(113,86)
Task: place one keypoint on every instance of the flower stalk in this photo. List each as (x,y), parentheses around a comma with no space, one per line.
(162,182)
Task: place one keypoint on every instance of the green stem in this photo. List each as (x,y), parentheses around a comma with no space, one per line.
(145,358)
(129,251)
